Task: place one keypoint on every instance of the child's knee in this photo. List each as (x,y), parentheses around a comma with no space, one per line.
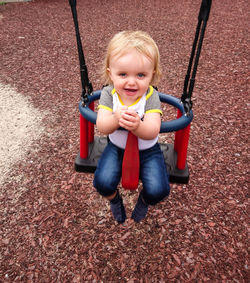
(103,186)
(154,196)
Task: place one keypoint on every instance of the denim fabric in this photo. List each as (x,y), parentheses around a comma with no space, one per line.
(153,173)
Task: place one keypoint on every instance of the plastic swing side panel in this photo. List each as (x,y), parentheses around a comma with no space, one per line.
(175,175)
(95,151)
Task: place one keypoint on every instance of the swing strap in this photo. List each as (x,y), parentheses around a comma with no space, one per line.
(131,163)
(200,31)
(86,84)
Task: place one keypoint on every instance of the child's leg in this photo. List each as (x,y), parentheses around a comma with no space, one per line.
(108,172)
(154,177)
(107,177)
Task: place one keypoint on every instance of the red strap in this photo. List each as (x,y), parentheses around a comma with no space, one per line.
(131,163)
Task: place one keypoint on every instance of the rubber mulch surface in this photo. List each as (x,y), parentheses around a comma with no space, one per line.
(54,226)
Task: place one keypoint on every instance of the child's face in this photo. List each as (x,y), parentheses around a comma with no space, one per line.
(131,75)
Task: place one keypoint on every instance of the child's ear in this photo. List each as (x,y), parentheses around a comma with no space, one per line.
(109,73)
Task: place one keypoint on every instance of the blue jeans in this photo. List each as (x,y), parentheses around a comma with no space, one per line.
(153,173)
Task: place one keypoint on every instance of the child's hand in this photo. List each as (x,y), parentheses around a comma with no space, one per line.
(119,112)
(129,120)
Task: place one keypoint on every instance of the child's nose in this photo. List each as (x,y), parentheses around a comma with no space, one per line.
(131,80)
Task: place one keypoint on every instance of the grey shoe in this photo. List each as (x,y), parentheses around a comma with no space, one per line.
(140,210)
(118,209)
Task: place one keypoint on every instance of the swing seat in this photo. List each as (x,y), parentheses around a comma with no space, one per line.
(96,147)
(88,165)
(92,147)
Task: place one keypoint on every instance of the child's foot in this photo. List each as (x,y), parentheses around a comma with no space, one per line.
(118,209)
(140,210)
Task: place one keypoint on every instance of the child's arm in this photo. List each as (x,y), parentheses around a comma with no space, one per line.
(147,129)
(107,122)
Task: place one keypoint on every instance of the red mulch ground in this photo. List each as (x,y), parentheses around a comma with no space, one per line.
(59,229)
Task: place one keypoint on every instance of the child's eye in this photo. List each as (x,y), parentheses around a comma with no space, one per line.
(141,75)
(122,74)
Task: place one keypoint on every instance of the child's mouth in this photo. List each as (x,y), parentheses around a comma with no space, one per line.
(130,90)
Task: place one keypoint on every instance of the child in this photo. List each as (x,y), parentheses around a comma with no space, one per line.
(129,101)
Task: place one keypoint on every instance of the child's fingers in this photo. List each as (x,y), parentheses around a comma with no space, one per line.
(125,124)
(129,124)
(131,112)
(128,120)
(130,115)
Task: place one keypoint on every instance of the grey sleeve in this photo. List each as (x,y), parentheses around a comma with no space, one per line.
(106,98)
(153,102)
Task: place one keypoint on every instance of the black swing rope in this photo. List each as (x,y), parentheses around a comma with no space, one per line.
(87,87)
(189,83)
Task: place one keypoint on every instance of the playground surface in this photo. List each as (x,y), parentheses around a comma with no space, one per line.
(54,227)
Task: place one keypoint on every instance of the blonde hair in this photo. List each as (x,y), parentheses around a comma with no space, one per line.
(124,41)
